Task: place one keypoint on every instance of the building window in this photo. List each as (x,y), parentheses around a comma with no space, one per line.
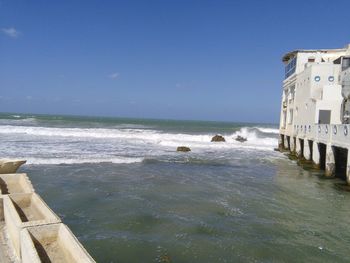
(290,116)
(324,117)
(311,59)
(345,63)
(317,78)
(292,93)
(290,67)
(330,78)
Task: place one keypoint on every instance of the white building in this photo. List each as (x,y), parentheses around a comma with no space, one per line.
(311,89)
(315,106)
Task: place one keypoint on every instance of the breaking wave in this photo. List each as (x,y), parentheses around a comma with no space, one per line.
(268,130)
(50,145)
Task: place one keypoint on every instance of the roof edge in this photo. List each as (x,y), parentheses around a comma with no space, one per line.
(288,55)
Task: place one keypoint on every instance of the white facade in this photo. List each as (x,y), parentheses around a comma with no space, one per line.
(312,93)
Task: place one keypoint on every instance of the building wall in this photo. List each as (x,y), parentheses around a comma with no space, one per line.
(314,86)
(333,104)
(317,89)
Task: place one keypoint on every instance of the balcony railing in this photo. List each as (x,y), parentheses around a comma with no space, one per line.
(338,134)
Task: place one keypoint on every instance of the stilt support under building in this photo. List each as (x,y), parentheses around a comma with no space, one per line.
(348,168)
(333,159)
(315,154)
(306,151)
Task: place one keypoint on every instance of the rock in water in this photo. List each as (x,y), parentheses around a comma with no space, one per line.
(218,138)
(183,149)
(240,139)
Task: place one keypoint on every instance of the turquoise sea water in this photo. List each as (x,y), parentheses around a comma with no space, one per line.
(128,196)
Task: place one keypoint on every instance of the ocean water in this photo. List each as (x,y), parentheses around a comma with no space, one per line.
(128,196)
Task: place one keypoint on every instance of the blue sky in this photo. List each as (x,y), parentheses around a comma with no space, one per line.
(206,60)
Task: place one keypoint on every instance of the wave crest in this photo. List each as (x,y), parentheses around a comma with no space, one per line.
(48,145)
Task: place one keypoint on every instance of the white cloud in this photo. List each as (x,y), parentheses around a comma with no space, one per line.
(29,97)
(11,32)
(114,75)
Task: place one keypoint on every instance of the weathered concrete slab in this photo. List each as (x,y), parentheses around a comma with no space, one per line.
(24,210)
(53,243)
(8,166)
(7,251)
(15,184)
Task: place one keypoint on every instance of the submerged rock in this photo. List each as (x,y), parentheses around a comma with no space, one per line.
(218,138)
(165,259)
(183,149)
(240,139)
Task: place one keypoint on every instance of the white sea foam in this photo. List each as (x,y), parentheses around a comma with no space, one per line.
(268,130)
(47,145)
(254,138)
(73,132)
(119,160)
(142,134)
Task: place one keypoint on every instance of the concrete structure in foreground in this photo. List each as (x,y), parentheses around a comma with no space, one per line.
(315,108)
(9,166)
(15,184)
(56,242)
(29,230)
(25,210)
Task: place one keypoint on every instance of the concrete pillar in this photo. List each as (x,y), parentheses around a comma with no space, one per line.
(307,153)
(286,144)
(298,148)
(315,154)
(281,142)
(348,168)
(330,161)
(292,145)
